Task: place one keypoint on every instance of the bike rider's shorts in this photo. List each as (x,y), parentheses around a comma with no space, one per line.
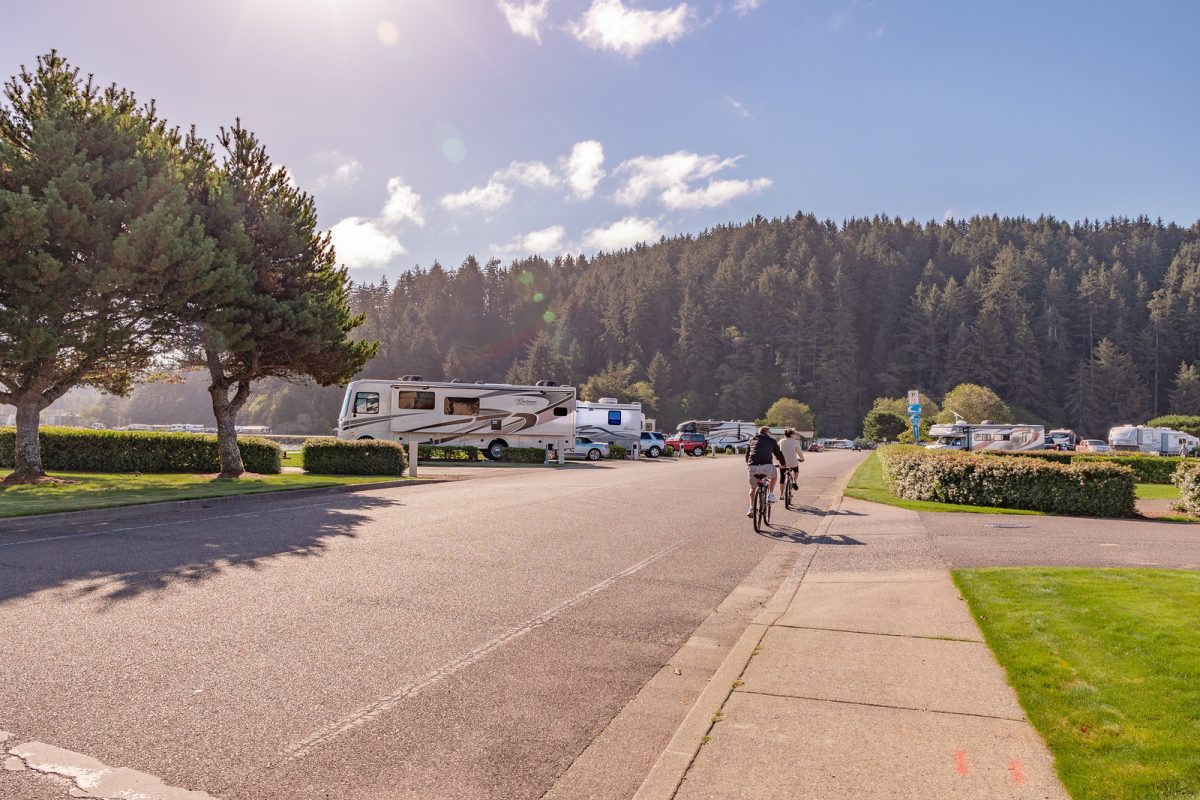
(765,470)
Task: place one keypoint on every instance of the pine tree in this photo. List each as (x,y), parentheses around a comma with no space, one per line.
(1110,390)
(1185,396)
(95,238)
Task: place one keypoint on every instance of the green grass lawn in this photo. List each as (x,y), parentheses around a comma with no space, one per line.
(1106,663)
(867,484)
(1157,491)
(107,490)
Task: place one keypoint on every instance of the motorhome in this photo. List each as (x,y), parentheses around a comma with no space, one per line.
(986,435)
(490,416)
(1157,441)
(611,422)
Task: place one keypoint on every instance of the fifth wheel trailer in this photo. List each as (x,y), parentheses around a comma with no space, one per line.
(490,416)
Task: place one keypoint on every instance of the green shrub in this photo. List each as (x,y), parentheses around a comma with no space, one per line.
(522,455)
(669,451)
(1178,422)
(1057,456)
(85,450)
(361,457)
(1146,468)
(1187,478)
(438,452)
(617,451)
(949,476)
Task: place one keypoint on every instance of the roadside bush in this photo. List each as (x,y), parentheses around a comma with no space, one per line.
(1187,478)
(362,457)
(1085,489)
(1146,468)
(437,452)
(522,455)
(84,450)
(1178,422)
(617,451)
(669,451)
(1057,456)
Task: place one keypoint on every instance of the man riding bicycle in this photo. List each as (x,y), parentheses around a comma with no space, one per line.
(759,452)
(793,453)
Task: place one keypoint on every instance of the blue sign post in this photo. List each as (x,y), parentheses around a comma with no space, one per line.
(914,413)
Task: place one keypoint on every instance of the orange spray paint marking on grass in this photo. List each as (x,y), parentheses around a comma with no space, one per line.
(960,763)
(1018,772)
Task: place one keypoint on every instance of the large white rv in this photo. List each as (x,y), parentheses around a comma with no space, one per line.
(722,435)
(490,416)
(963,435)
(606,420)
(1158,441)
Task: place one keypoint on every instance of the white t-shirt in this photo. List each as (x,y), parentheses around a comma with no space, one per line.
(793,453)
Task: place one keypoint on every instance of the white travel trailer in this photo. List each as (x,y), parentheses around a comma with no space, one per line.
(490,416)
(963,435)
(727,435)
(1157,441)
(606,420)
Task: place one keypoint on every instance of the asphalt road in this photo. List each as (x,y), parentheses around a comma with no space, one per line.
(463,639)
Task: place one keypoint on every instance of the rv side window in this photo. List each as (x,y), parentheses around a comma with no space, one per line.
(366,402)
(561,411)
(461,406)
(614,418)
(418,401)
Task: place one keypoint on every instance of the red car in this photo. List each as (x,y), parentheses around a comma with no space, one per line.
(693,444)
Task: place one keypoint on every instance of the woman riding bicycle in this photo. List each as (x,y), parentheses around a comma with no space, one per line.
(759,452)
(793,452)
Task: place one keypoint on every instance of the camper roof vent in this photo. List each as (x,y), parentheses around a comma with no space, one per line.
(411,378)
(608,400)
(546,383)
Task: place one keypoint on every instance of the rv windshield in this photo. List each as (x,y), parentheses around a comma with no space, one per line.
(951,441)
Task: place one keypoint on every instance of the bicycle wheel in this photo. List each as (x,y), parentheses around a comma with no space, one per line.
(787,491)
(766,511)
(760,501)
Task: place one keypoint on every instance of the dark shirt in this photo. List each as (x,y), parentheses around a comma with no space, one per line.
(761,449)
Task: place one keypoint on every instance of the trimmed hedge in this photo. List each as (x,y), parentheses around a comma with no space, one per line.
(949,476)
(86,450)
(617,451)
(1178,422)
(522,455)
(1146,468)
(1187,478)
(361,457)
(437,452)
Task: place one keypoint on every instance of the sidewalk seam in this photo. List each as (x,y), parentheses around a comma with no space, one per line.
(880,633)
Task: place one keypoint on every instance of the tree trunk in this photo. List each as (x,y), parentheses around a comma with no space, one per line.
(28,461)
(227,446)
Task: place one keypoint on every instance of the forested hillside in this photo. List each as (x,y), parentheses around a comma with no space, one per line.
(723,323)
(1083,324)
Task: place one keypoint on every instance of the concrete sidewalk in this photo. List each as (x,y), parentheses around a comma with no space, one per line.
(865,677)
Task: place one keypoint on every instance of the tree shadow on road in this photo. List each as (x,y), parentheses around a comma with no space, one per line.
(151,551)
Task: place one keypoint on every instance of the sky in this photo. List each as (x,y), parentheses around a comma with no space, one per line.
(437,129)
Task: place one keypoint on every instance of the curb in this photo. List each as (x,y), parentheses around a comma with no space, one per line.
(8,524)
(672,765)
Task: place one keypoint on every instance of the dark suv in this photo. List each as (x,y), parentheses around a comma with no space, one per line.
(693,444)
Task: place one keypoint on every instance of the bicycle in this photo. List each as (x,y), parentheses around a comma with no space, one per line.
(762,509)
(789,487)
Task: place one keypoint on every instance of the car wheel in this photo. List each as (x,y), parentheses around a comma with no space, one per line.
(495,449)
(654,452)
(593,454)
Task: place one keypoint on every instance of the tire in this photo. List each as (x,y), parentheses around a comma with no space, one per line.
(593,454)
(494,449)
(365,438)
(787,494)
(654,452)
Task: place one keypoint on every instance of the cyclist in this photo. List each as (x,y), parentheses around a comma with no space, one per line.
(793,453)
(759,452)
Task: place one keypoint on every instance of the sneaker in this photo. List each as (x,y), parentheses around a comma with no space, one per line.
(772,498)
(750,511)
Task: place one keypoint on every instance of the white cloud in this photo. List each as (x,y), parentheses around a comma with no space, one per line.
(623,233)
(528,173)
(362,243)
(492,197)
(584,168)
(738,106)
(716,193)
(402,203)
(746,6)
(646,175)
(337,170)
(526,18)
(611,25)
(546,242)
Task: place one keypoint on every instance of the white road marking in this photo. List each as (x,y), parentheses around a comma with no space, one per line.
(96,779)
(381,706)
